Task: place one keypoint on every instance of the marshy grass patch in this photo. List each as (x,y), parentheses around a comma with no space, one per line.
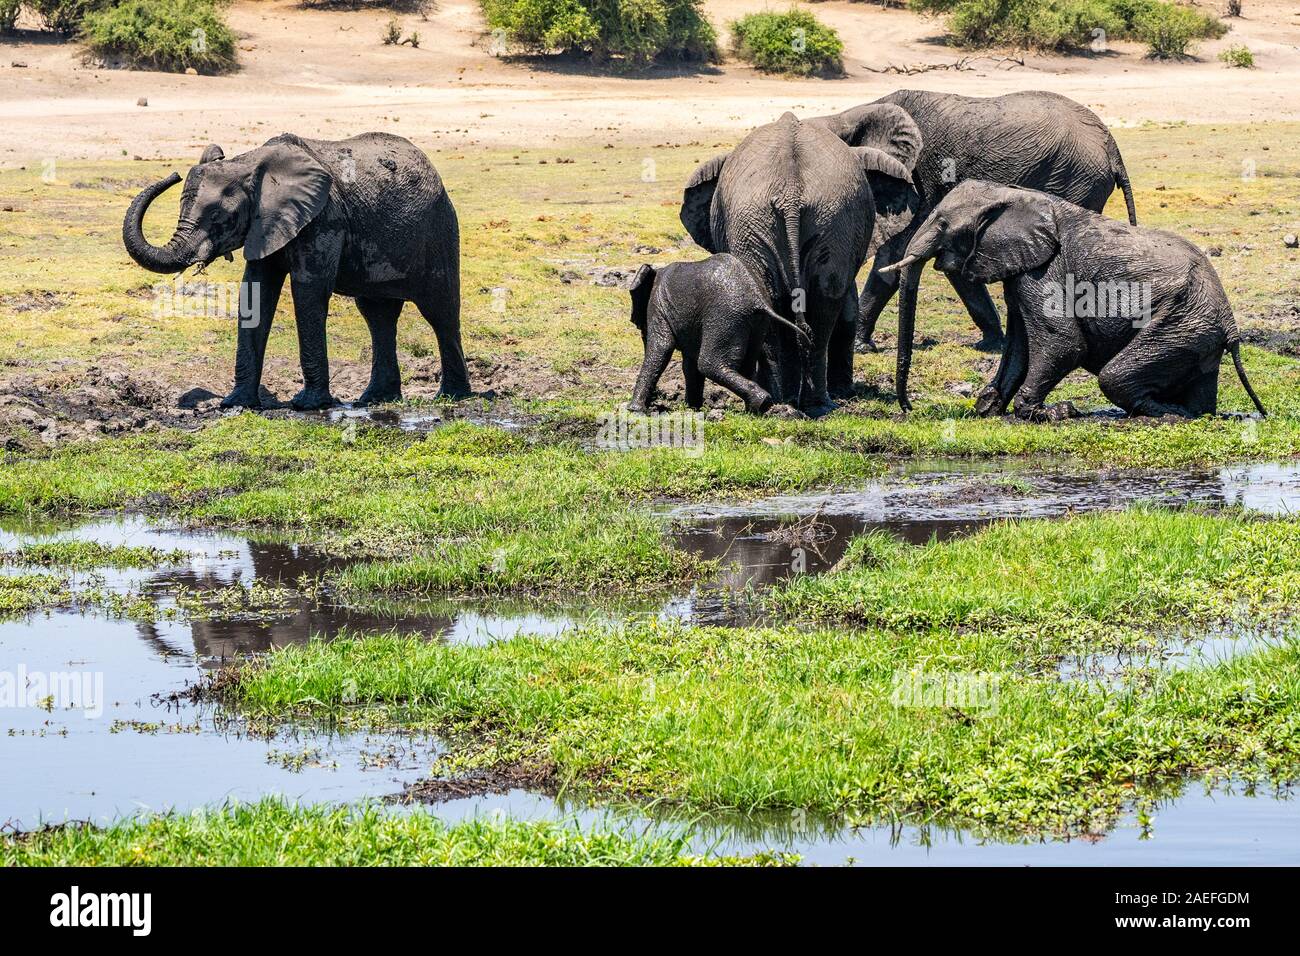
(274,833)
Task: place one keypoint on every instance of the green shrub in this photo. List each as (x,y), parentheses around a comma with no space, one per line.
(637,30)
(64,16)
(170,35)
(1168,31)
(792,42)
(1073,24)
(393,32)
(1238,56)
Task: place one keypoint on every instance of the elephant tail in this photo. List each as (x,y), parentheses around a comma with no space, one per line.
(1120,172)
(1235,349)
(792,277)
(805,340)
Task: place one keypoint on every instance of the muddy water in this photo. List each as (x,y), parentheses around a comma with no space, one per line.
(769,539)
(117,747)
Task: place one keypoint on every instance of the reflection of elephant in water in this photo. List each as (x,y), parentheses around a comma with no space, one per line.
(1032,138)
(366,217)
(795,204)
(716,314)
(1141,309)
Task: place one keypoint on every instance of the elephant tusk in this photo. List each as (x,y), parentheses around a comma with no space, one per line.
(900,264)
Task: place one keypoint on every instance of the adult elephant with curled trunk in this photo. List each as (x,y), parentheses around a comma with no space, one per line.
(366,217)
(796,204)
(1034,139)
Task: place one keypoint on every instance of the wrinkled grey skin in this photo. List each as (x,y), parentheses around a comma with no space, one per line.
(1156,354)
(1035,139)
(794,202)
(717,315)
(366,217)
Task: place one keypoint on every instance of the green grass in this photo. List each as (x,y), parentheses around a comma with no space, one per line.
(22,593)
(758,719)
(272,833)
(89,555)
(799,716)
(480,509)
(1137,568)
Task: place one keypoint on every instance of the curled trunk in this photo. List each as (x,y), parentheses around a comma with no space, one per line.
(172,257)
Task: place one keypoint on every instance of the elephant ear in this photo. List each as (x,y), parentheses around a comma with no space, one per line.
(1014,236)
(697,201)
(290,189)
(212,154)
(891,191)
(884,126)
(642,285)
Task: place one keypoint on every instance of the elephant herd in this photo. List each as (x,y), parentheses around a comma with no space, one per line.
(1005,189)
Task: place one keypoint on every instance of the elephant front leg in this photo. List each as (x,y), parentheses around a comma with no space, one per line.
(259,294)
(1011,370)
(311,298)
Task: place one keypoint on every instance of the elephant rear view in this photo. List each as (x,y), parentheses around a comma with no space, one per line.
(1035,139)
(796,205)
(366,217)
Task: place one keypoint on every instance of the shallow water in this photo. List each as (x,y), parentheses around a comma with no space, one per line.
(1218,825)
(133,752)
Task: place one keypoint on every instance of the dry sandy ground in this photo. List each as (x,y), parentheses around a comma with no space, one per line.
(325,73)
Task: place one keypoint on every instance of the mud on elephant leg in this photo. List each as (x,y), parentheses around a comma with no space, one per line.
(657,356)
(260,290)
(1147,373)
(444,316)
(756,399)
(385,378)
(311,300)
(1011,370)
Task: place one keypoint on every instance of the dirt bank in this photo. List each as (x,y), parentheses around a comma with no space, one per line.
(326,73)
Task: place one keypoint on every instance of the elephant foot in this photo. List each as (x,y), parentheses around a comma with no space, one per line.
(312,399)
(820,408)
(784,412)
(990,403)
(242,398)
(991,343)
(1057,412)
(454,392)
(841,391)
(866,346)
(380,395)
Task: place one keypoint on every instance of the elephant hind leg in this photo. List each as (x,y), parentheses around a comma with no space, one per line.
(756,399)
(443,314)
(1155,376)
(694,381)
(385,379)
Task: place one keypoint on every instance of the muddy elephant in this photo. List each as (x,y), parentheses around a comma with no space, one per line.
(366,217)
(796,204)
(717,315)
(1033,138)
(1142,309)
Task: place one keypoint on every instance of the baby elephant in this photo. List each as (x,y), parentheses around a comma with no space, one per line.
(717,315)
(1141,309)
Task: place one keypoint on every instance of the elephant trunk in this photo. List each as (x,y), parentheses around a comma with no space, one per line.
(923,246)
(169,258)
